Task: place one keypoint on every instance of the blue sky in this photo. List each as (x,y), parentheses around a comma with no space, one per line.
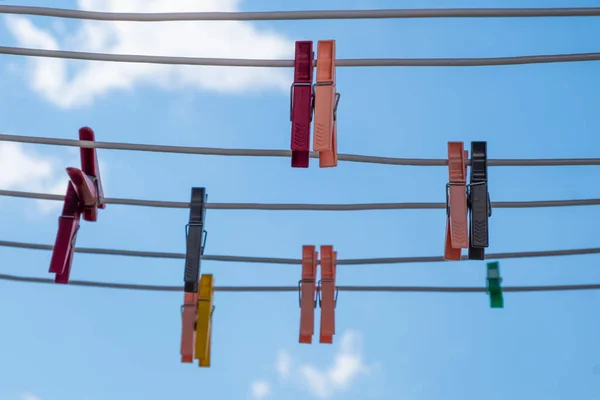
(73,343)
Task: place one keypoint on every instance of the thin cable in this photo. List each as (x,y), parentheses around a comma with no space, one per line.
(306,207)
(357,62)
(419,162)
(303,15)
(271,289)
(296,261)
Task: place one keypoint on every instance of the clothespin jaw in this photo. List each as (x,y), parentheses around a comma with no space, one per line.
(326,103)
(494,287)
(456,202)
(84,197)
(204,320)
(195,240)
(328,293)
(301,104)
(307,291)
(480,208)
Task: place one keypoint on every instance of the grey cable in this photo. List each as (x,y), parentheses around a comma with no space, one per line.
(303,15)
(421,162)
(306,207)
(396,289)
(357,62)
(295,261)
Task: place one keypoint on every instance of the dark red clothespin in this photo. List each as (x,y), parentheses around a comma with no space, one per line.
(457,236)
(301,105)
(84,196)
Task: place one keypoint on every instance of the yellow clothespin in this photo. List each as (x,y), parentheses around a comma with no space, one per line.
(204,319)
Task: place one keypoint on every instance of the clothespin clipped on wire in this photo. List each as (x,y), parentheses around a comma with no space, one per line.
(480,207)
(195,243)
(457,236)
(84,196)
(307,293)
(301,104)
(326,103)
(494,288)
(206,309)
(328,293)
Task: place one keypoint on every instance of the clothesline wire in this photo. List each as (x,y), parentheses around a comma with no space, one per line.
(396,289)
(420,162)
(356,62)
(303,14)
(303,206)
(295,261)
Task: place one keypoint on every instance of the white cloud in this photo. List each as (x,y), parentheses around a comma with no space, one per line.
(23,169)
(28,396)
(69,84)
(283,364)
(348,363)
(260,389)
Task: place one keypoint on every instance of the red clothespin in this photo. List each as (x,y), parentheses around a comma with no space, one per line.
(84,196)
(301,104)
(326,103)
(307,291)
(328,293)
(457,236)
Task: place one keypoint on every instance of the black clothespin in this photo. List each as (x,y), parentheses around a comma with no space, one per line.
(480,207)
(196,239)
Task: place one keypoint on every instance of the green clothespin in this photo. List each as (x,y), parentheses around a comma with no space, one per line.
(494,289)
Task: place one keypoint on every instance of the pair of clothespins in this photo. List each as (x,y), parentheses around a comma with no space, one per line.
(325,292)
(84,196)
(494,287)
(197,309)
(464,200)
(320,97)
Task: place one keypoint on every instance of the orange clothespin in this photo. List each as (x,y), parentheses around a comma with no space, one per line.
(457,236)
(326,102)
(307,291)
(188,330)
(327,293)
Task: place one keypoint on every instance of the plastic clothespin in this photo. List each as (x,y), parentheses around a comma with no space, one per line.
(327,293)
(204,320)
(301,104)
(307,293)
(195,243)
(326,103)
(480,208)
(84,196)
(494,287)
(457,236)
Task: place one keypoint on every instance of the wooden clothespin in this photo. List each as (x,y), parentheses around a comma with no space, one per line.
(480,207)
(301,104)
(204,320)
(326,103)
(307,293)
(456,202)
(84,196)
(327,293)
(195,243)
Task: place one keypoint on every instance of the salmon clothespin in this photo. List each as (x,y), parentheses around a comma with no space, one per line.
(195,243)
(480,207)
(326,103)
(206,309)
(84,196)
(327,293)
(307,293)
(457,236)
(494,287)
(301,104)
